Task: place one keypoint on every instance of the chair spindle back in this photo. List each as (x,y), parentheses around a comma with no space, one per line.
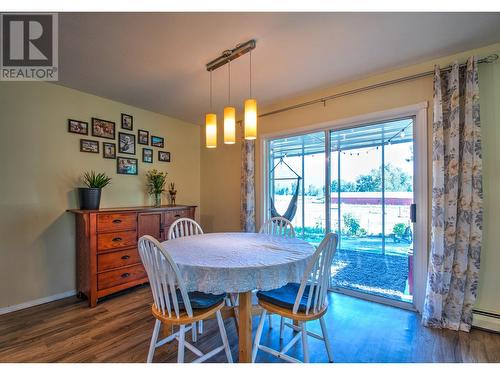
(184,227)
(278,226)
(164,278)
(317,275)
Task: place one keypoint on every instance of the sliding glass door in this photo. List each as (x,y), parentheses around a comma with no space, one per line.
(372,193)
(361,189)
(296,183)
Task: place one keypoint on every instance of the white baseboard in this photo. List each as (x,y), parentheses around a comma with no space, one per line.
(35,302)
(490,322)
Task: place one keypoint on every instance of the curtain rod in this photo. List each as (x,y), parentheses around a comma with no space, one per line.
(486,60)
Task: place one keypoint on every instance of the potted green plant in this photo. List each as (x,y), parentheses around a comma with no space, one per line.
(90,196)
(156,185)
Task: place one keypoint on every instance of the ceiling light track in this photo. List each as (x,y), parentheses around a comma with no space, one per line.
(231,54)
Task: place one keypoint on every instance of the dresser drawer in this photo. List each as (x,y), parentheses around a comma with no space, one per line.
(117,259)
(117,240)
(171,216)
(116,222)
(117,277)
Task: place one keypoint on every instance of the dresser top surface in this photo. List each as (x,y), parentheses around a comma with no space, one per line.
(131,209)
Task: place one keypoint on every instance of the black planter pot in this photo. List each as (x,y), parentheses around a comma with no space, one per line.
(90,198)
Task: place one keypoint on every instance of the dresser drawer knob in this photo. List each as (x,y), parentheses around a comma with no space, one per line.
(117,221)
(125,257)
(116,239)
(126,274)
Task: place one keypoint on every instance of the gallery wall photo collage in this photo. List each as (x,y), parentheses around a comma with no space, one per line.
(127,144)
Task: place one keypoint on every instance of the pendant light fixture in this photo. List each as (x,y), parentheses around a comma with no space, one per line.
(250,115)
(250,111)
(229,114)
(211,123)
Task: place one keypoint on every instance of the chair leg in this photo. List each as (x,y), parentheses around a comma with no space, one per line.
(194,334)
(305,348)
(258,334)
(282,327)
(180,350)
(270,317)
(223,334)
(154,339)
(200,327)
(327,340)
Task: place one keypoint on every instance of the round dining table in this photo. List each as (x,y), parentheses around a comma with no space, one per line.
(239,263)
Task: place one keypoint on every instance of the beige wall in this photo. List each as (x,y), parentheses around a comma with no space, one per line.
(41,166)
(221,167)
(220,173)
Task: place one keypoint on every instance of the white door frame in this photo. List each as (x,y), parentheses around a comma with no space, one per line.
(420,180)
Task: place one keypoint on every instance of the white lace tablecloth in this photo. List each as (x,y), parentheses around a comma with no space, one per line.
(239,262)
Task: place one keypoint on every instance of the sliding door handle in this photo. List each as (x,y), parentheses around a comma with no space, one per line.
(413,213)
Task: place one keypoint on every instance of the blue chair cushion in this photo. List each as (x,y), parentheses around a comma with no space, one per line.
(200,300)
(285,296)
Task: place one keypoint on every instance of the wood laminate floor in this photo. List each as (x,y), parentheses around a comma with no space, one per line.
(119,330)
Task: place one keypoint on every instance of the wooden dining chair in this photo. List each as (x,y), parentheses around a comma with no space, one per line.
(174,306)
(302,303)
(184,227)
(278,226)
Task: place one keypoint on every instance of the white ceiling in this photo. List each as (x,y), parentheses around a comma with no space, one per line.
(157,61)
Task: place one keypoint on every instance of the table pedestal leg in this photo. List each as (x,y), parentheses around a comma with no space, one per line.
(245,327)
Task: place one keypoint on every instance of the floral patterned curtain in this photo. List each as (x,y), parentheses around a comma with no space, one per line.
(457,195)
(247,212)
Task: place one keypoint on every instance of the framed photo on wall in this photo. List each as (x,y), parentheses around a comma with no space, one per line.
(143,137)
(157,141)
(147,155)
(126,143)
(126,165)
(108,150)
(164,156)
(88,145)
(78,127)
(127,122)
(103,128)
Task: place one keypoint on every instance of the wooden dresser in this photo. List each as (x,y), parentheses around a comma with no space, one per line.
(106,245)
